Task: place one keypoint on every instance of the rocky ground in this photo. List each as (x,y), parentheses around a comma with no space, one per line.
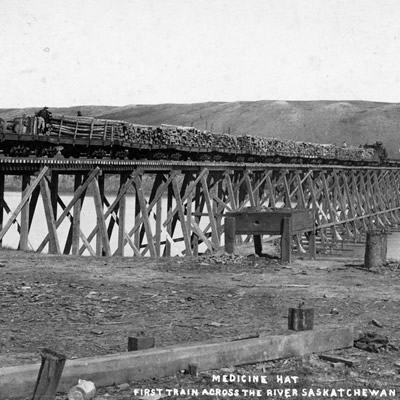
(89,306)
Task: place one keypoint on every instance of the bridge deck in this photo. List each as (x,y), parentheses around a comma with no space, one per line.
(12,164)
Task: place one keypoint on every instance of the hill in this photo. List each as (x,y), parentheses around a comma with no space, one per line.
(355,122)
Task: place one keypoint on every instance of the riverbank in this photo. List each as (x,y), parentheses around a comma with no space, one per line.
(89,306)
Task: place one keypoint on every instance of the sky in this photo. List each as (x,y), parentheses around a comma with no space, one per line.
(64,53)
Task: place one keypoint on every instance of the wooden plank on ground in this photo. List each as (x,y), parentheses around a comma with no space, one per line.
(158,362)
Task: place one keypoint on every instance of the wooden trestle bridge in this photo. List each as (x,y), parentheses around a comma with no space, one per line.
(177,208)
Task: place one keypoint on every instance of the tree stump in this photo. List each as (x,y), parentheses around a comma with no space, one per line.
(375,249)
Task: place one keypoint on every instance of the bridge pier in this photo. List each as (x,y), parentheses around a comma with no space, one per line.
(176,208)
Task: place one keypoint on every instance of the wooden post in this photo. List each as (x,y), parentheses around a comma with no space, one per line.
(158,227)
(136,239)
(49,375)
(76,221)
(230,231)
(136,343)
(286,240)
(54,192)
(121,215)
(167,249)
(23,244)
(193,370)
(32,205)
(54,246)
(301,319)
(100,210)
(103,243)
(311,246)
(375,249)
(257,244)
(1,204)
(197,207)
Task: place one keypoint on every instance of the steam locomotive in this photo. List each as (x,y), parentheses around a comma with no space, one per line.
(71,136)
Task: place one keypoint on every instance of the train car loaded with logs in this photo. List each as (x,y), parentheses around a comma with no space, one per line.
(71,136)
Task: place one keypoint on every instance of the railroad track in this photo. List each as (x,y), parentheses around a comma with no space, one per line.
(14,164)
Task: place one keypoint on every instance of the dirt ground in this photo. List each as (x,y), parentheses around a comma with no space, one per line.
(89,306)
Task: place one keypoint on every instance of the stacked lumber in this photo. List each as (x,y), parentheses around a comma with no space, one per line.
(84,128)
(111,131)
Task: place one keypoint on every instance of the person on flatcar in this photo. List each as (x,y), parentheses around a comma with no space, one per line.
(44,119)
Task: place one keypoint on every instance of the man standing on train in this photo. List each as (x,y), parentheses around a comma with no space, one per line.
(44,119)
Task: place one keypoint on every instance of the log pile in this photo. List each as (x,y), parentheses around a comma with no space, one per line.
(111,131)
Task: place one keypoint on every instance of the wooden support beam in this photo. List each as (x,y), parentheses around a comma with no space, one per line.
(230,233)
(168,223)
(158,227)
(76,221)
(113,207)
(2,204)
(286,241)
(159,362)
(197,208)
(99,204)
(24,200)
(145,215)
(121,216)
(32,204)
(78,193)
(23,242)
(54,246)
(82,236)
(103,243)
(54,191)
(186,236)
(213,223)
(136,238)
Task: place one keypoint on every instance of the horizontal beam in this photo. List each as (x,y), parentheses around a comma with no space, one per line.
(346,221)
(16,382)
(15,165)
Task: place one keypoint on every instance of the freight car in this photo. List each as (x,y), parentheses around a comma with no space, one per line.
(99,138)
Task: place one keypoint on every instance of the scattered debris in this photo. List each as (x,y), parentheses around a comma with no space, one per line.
(377,323)
(336,359)
(374,343)
(97,332)
(123,386)
(83,390)
(216,324)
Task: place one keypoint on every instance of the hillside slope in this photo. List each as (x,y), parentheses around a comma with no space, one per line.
(355,122)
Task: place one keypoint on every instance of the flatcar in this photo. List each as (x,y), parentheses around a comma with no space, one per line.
(79,136)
